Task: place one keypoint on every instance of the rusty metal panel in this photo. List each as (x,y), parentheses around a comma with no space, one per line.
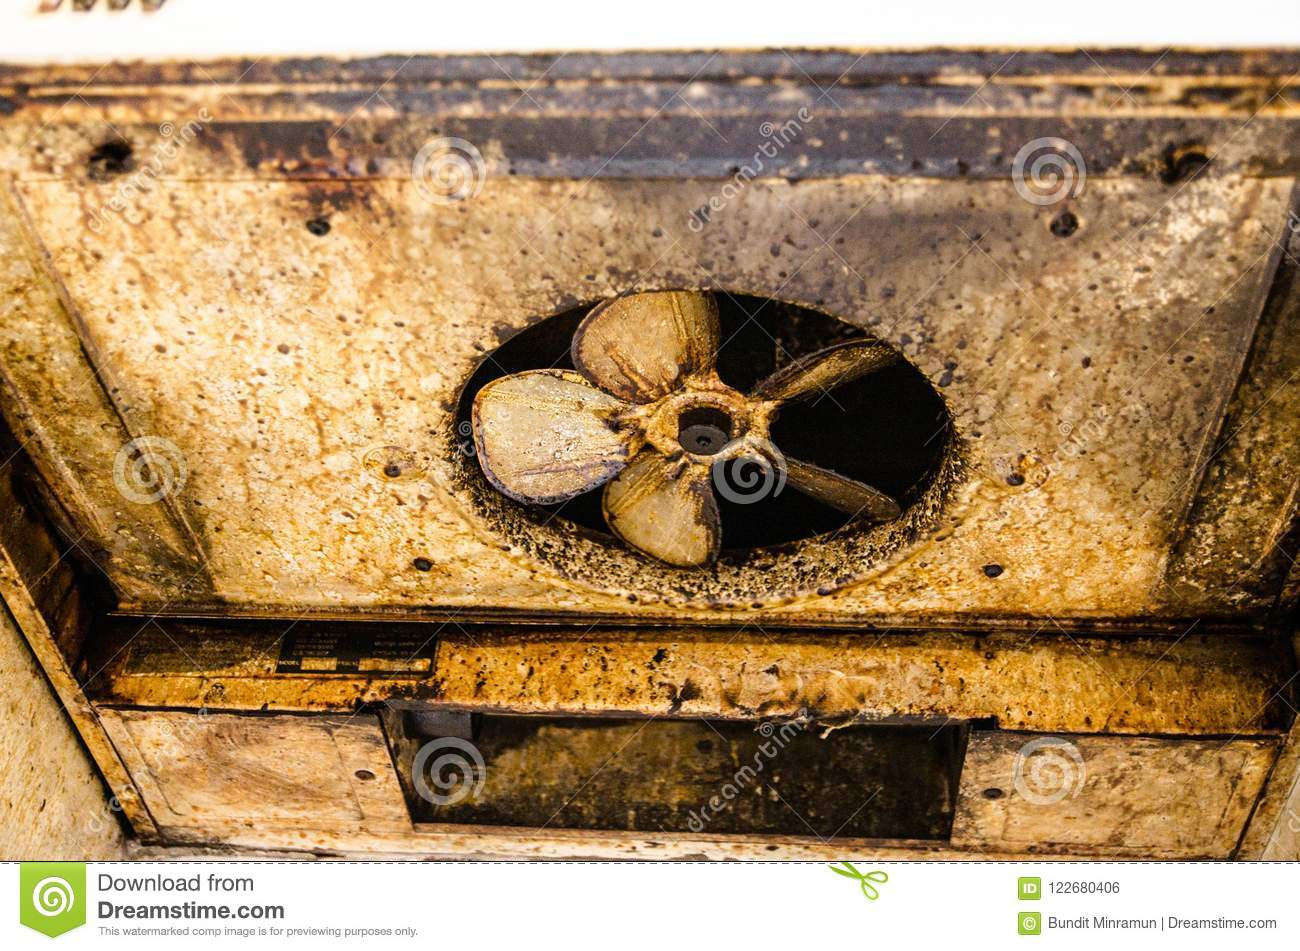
(935,113)
(56,395)
(1097,377)
(1109,796)
(52,609)
(234,276)
(1274,829)
(1240,541)
(237,331)
(1202,684)
(1085,685)
(212,771)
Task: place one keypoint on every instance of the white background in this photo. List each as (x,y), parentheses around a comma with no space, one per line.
(212,28)
(790,906)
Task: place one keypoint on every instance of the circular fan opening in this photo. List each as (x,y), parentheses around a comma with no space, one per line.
(888,429)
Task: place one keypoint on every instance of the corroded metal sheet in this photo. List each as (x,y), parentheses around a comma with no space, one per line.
(1086,685)
(56,395)
(212,771)
(52,609)
(1118,796)
(1200,685)
(274,360)
(1240,540)
(231,283)
(1274,831)
(930,113)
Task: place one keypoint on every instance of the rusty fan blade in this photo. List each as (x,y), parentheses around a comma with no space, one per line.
(826,369)
(665,509)
(547,435)
(639,347)
(840,492)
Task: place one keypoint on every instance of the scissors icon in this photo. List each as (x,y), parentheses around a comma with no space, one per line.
(863,879)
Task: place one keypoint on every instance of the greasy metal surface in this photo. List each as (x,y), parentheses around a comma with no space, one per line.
(930,113)
(281,303)
(52,609)
(288,518)
(1120,796)
(333,787)
(211,771)
(1087,374)
(1241,539)
(1199,685)
(54,396)
(1274,830)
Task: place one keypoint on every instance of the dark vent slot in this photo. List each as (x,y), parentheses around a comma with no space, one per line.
(692,776)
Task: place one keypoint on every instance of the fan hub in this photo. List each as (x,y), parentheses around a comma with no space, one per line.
(707,420)
(704,430)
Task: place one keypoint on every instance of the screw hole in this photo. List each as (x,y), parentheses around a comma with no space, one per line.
(1064,224)
(993,570)
(319,227)
(110,159)
(422,564)
(993,793)
(1182,164)
(392,470)
(365,775)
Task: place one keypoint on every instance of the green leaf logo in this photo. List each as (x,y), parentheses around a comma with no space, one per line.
(52,896)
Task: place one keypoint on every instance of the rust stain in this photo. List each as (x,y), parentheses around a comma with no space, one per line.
(292,291)
(382,333)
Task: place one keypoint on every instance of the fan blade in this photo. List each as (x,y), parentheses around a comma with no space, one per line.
(840,492)
(665,509)
(826,369)
(547,435)
(640,347)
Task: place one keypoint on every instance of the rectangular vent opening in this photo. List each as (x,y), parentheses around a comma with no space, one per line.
(683,776)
